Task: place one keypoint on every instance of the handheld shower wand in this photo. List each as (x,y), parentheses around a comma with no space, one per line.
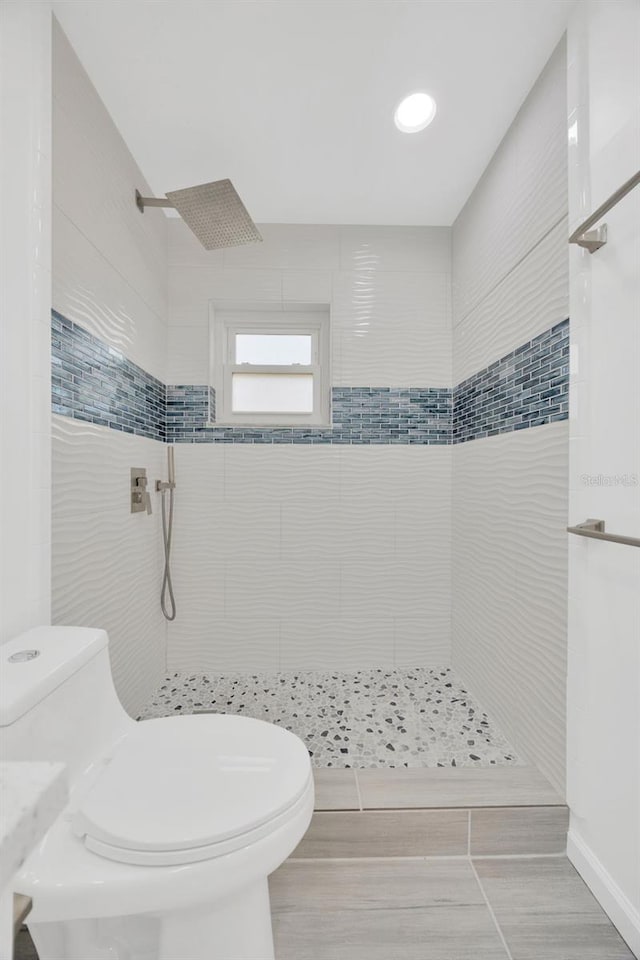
(165,487)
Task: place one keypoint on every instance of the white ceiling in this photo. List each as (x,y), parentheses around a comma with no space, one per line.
(294,99)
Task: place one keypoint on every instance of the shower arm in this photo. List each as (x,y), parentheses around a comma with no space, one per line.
(142,202)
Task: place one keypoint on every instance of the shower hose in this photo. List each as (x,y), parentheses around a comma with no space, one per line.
(168,609)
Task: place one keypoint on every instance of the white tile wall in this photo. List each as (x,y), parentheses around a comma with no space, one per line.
(343,553)
(517,309)
(352,644)
(109,276)
(612,110)
(90,291)
(603,776)
(25,268)
(510,282)
(110,260)
(405,249)
(107,565)
(520,197)
(510,585)
(389,287)
(391,328)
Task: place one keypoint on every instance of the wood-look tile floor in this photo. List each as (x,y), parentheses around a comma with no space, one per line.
(448,909)
(461,906)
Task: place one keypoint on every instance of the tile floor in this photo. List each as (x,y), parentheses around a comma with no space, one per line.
(372,718)
(390,898)
(441,909)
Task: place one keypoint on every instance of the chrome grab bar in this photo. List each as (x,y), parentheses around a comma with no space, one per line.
(595,530)
(590,239)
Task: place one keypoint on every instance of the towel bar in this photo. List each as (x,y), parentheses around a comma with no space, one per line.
(592,240)
(595,530)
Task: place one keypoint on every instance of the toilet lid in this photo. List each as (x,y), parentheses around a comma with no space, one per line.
(189,788)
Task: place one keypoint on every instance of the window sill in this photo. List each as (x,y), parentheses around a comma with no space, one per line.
(269,426)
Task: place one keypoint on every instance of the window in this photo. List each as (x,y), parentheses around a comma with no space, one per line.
(271,365)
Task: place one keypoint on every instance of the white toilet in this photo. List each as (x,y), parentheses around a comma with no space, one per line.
(173,825)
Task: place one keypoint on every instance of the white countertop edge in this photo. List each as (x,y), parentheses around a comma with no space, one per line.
(32,795)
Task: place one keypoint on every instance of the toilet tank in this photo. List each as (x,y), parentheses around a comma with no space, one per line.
(57,699)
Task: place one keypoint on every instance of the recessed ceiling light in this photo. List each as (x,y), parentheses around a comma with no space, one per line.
(415,112)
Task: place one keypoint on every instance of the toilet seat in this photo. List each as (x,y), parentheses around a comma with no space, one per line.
(183,789)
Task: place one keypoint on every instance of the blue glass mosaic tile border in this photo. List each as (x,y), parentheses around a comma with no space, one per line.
(360,415)
(95,383)
(529,387)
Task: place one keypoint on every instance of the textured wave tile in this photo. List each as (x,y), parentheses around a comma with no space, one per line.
(106,567)
(412,587)
(306,286)
(423,641)
(184,249)
(521,196)
(200,473)
(221,531)
(198,557)
(392,328)
(503,248)
(197,636)
(92,176)
(276,527)
(371,718)
(395,248)
(208,644)
(510,585)
(402,475)
(424,529)
(88,291)
(289,246)
(201,596)
(281,473)
(190,289)
(188,353)
(315,644)
(281,588)
(333,529)
(518,309)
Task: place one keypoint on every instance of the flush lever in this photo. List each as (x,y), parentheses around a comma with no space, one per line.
(140,496)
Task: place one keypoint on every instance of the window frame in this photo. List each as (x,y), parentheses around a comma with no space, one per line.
(227,321)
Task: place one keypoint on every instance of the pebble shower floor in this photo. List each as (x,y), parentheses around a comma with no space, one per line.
(372,718)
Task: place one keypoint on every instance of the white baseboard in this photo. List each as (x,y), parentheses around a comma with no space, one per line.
(613,901)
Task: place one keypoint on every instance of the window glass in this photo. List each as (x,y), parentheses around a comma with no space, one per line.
(272,393)
(260,348)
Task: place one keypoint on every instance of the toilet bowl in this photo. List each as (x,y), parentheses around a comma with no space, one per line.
(173,825)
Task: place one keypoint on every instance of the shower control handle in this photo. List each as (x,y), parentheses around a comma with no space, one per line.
(140,496)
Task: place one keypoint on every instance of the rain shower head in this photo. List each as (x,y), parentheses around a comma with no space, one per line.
(214,212)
